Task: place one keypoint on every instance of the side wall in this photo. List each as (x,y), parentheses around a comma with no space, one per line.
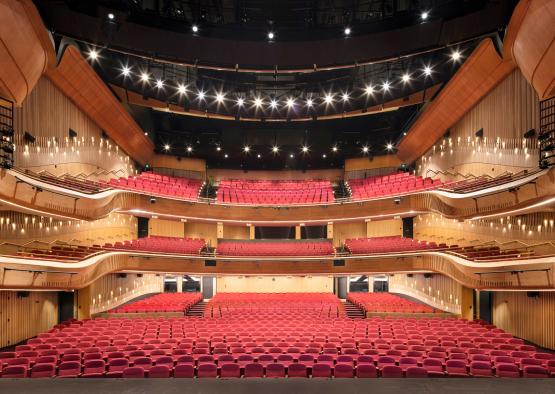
(274,284)
(532,319)
(23,318)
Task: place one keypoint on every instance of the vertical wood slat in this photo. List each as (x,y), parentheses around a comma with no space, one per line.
(23,318)
(532,319)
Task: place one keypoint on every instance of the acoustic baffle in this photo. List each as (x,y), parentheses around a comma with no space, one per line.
(408,227)
(142,227)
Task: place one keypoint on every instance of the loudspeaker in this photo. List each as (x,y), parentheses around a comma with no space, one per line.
(209,263)
(428,276)
(339,263)
(121,275)
(28,137)
(22,294)
(533,294)
(480,133)
(72,133)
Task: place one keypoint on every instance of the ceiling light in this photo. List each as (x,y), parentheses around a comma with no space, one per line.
(345,97)
(159,84)
(111,16)
(220,97)
(305,149)
(126,71)
(424,15)
(455,55)
(427,71)
(246,149)
(328,99)
(334,149)
(144,77)
(385,86)
(258,102)
(365,149)
(291,155)
(347,31)
(405,77)
(93,54)
(166,147)
(309,102)
(389,146)
(324,156)
(240,101)
(181,89)
(273,104)
(271,35)
(290,102)
(226,156)
(200,95)
(258,155)
(275,149)
(369,89)
(218,148)
(194,28)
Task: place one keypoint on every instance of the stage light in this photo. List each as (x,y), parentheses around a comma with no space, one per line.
(181,89)
(455,56)
(271,35)
(111,16)
(240,101)
(427,71)
(290,102)
(369,90)
(389,146)
(309,103)
(246,149)
(385,86)
(345,97)
(424,15)
(93,54)
(273,104)
(275,149)
(166,147)
(220,97)
(194,28)
(200,95)
(405,78)
(144,77)
(365,149)
(258,102)
(328,98)
(125,71)
(159,84)
(347,31)
(334,149)
(305,149)
(189,149)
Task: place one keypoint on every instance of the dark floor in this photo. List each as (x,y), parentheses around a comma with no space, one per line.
(274,386)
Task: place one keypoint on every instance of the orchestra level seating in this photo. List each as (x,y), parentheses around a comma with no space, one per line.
(279,335)
(164,302)
(275,248)
(254,192)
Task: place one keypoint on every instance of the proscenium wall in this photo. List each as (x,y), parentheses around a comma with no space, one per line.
(274,284)
(25,317)
(532,319)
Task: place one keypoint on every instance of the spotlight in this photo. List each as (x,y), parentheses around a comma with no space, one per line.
(290,102)
(220,97)
(159,84)
(111,16)
(258,102)
(271,35)
(455,56)
(144,77)
(405,78)
(246,149)
(309,103)
(166,147)
(200,95)
(334,149)
(125,71)
(189,149)
(93,54)
(181,89)
(345,97)
(385,86)
(305,149)
(427,71)
(347,31)
(365,149)
(240,101)
(328,99)
(194,28)
(273,104)
(424,15)
(369,89)
(275,149)
(389,146)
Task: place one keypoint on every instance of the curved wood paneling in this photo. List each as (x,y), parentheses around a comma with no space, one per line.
(480,73)
(530,41)
(80,83)
(25,49)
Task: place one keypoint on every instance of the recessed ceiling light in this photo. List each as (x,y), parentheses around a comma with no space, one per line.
(455,55)
(275,149)
(365,149)
(220,97)
(144,77)
(427,71)
(218,148)
(181,89)
(271,35)
(290,102)
(246,149)
(200,95)
(258,155)
(345,97)
(305,149)
(309,102)
(240,101)
(405,77)
(258,102)
(194,28)
(226,156)
(111,16)
(93,54)
(347,31)
(389,146)
(273,104)
(125,71)
(324,156)
(159,84)
(328,98)
(369,89)
(166,147)
(424,15)
(334,149)
(291,155)
(385,86)
(189,149)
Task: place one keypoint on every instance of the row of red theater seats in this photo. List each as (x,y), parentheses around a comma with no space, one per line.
(385,302)
(390,184)
(161,244)
(274,197)
(291,248)
(164,302)
(261,185)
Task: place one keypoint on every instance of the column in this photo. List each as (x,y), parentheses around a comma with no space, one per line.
(180,284)
(297,231)
(252,231)
(368,228)
(330,230)
(220,230)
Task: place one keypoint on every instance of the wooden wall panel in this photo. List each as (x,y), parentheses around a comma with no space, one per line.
(23,318)
(166,228)
(274,284)
(342,231)
(438,291)
(532,319)
(183,163)
(219,174)
(207,231)
(236,232)
(364,163)
(382,228)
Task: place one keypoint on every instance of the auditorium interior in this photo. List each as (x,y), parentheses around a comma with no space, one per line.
(283,195)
